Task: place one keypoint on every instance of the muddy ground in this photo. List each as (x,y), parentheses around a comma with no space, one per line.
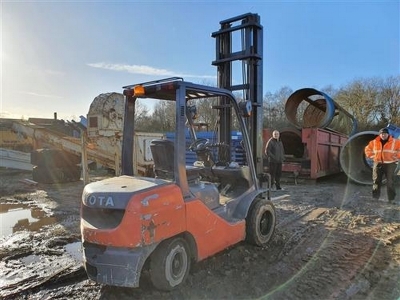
(332,241)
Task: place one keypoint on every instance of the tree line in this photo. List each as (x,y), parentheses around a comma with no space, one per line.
(373,102)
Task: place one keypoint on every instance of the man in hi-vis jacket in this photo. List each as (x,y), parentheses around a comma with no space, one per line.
(384,150)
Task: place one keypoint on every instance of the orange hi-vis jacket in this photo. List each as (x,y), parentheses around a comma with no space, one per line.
(389,153)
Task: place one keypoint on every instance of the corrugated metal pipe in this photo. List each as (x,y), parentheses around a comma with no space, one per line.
(310,108)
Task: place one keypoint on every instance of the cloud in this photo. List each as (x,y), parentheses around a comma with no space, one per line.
(40,95)
(52,72)
(144,70)
(9,115)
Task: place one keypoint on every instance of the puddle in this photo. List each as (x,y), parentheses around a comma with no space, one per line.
(16,217)
(30,259)
(75,250)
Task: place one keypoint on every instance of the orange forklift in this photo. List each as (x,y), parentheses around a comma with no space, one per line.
(186,212)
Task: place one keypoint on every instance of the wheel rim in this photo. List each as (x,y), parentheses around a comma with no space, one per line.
(266,223)
(177,263)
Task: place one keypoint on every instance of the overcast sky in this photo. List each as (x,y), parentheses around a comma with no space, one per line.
(57,56)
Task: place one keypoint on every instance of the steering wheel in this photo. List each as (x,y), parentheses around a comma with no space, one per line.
(198,145)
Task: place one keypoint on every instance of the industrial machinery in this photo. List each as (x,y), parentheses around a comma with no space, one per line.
(185,213)
(321,128)
(325,140)
(57,154)
(105,130)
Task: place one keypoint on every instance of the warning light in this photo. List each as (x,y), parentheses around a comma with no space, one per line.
(138,91)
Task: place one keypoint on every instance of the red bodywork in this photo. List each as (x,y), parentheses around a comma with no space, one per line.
(160,213)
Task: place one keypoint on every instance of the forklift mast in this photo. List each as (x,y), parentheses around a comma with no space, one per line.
(244,31)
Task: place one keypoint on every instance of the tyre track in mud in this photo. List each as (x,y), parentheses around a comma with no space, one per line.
(331,242)
(329,268)
(348,253)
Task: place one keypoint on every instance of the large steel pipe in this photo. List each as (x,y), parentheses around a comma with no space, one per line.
(310,108)
(353,160)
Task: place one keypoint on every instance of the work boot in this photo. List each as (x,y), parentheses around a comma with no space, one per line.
(391,195)
(375,194)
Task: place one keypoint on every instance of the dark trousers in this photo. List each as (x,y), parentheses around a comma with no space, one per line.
(275,170)
(378,170)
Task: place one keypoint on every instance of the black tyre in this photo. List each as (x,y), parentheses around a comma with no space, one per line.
(41,175)
(53,158)
(260,222)
(170,264)
(45,174)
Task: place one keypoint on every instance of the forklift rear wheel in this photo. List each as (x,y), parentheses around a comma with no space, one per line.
(170,264)
(260,222)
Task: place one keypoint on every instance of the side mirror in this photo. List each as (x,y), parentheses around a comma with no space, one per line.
(245,108)
(192,110)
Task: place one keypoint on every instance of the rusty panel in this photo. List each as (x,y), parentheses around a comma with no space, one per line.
(149,217)
(323,148)
(161,213)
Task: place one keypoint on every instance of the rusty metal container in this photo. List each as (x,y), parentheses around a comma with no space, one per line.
(310,153)
(322,127)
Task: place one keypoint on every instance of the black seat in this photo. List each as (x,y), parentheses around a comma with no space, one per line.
(163,157)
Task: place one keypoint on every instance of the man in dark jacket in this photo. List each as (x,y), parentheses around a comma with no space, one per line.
(275,154)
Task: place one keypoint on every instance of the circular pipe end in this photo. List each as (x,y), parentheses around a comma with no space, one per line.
(353,160)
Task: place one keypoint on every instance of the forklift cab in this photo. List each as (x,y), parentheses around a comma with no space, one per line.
(216,166)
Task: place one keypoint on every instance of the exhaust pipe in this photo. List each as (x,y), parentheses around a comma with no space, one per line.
(310,108)
(353,160)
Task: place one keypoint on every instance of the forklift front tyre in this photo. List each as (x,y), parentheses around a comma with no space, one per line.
(170,264)
(260,222)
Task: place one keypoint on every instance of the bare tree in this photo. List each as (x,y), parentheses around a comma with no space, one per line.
(206,114)
(164,116)
(141,115)
(374,102)
(360,99)
(274,108)
(389,99)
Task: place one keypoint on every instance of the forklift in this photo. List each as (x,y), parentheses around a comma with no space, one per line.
(187,212)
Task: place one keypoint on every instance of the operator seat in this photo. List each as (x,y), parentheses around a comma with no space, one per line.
(163,157)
